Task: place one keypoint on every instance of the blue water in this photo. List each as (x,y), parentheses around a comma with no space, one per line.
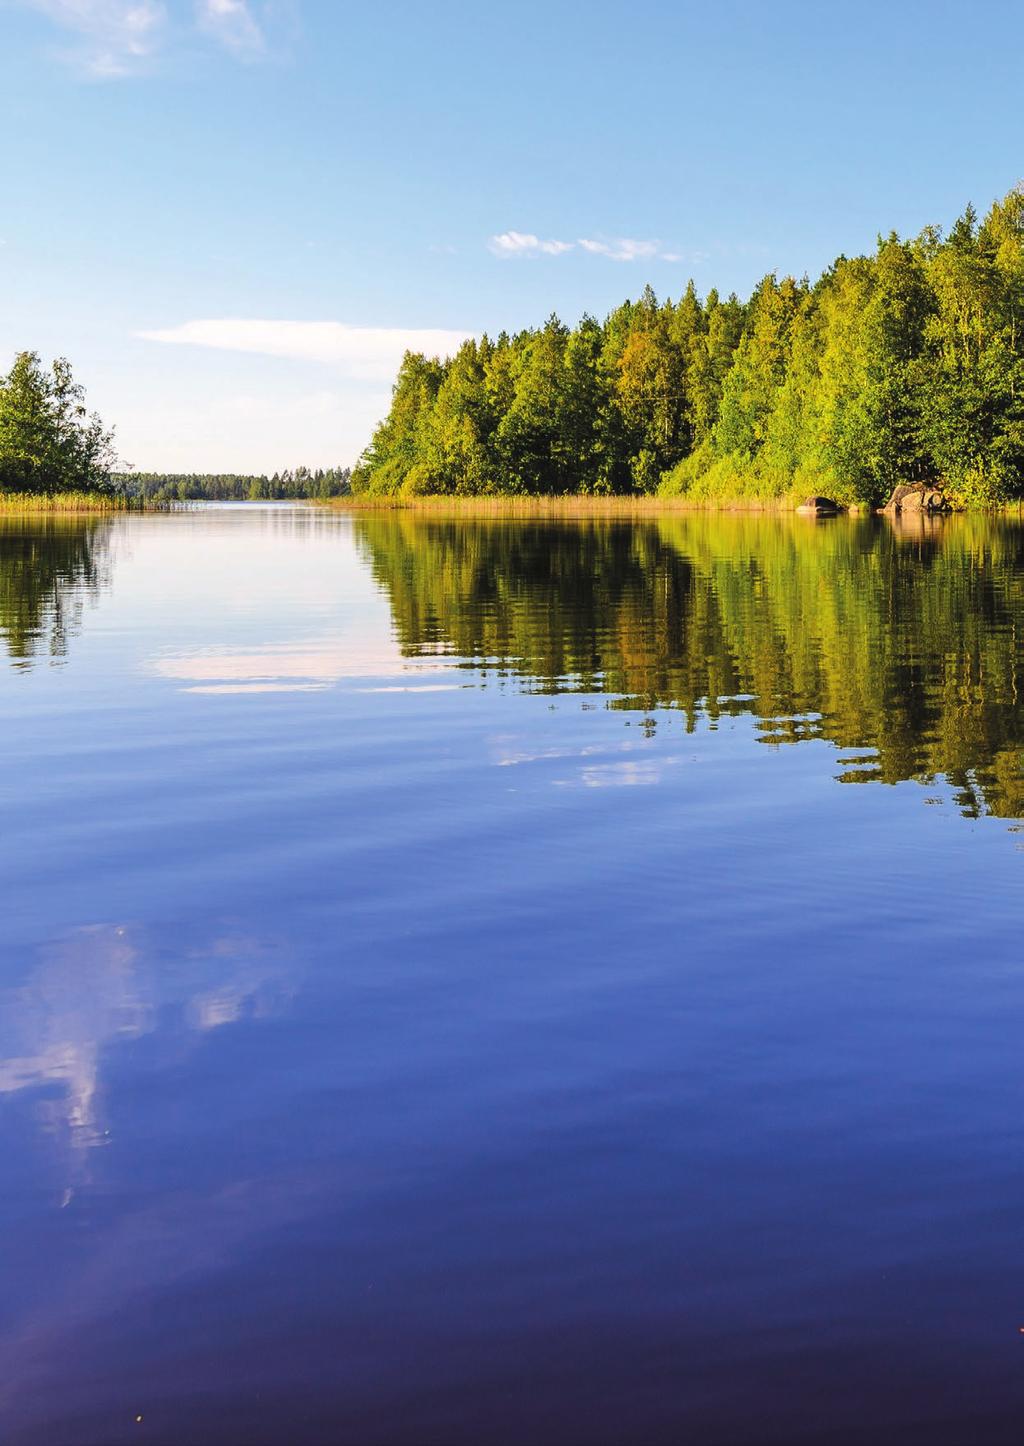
(428,1014)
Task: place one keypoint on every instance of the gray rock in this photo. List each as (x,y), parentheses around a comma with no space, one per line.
(917,497)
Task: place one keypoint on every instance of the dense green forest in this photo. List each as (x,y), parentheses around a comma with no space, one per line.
(899,642)
(49,442)
(291,485)
(901,366)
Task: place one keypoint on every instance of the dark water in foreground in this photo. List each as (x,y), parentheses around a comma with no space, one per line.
(451,992)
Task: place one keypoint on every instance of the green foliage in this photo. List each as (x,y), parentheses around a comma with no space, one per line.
(49,443)
(902,366)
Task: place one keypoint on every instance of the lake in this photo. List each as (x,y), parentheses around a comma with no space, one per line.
(511,981)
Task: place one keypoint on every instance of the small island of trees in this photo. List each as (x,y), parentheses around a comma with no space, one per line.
(903,366)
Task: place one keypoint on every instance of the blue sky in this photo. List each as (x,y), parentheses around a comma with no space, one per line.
(232,215)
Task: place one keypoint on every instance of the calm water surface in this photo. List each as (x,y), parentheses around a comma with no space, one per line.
(510,982)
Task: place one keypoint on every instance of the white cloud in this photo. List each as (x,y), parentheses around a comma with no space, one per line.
(365,353)
(522,243)
(116,37)
(232,23)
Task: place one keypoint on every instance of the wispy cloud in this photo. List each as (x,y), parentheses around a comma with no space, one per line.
(232,23)
(625,249)
(522,243)
(114,37)
(525,244)
(364,353)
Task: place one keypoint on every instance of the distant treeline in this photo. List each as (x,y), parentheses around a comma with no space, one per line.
(285,486)
(904,365)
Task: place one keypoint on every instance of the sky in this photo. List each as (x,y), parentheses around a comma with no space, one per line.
(234,215)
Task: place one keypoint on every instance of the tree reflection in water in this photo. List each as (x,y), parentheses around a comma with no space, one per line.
(50,566)
(901,642)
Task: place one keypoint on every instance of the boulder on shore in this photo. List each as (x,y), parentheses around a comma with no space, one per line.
(818,507)
(917,497)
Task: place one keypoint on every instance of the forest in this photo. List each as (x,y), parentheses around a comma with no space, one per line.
(905,365)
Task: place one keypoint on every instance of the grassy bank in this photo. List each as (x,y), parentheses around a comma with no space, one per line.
(66,502)
(710,481)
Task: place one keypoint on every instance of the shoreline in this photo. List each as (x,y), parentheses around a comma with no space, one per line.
(583,505)
(624,506)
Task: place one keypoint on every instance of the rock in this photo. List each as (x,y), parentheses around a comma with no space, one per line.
(818,507)
(917,497)
(899,496)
